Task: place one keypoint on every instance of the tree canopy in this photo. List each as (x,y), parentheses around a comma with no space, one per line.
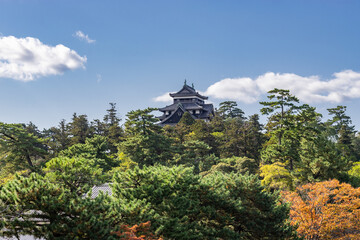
(193,180)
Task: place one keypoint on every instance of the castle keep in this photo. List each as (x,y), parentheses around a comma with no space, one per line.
(186,100)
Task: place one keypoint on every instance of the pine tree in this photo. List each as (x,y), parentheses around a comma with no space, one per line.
(58,138)
(181,205)
(49,211)
(229,109)
(113,130)
(145,143)
(95,149)
(21,149)
(79,129)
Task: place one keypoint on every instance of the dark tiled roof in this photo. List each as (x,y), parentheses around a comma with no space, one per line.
(186,106)
(208,107)
(187,91)
(208,112)
(166,118)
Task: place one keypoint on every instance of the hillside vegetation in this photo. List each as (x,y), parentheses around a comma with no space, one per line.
(294,177)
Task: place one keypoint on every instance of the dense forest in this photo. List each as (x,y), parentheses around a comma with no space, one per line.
(296,176)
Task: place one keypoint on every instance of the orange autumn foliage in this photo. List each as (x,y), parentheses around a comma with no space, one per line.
(325,210)
(136,232)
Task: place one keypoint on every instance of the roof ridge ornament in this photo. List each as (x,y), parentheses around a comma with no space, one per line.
(185,82)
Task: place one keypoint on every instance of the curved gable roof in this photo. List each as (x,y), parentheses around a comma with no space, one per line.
(187,91)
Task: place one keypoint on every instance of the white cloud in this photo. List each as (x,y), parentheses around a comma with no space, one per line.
(82,36)
(26,59)
(240,89)
(98,78)
(163,98)
(311,89)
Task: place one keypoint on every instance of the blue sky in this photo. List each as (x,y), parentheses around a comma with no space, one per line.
(61,57)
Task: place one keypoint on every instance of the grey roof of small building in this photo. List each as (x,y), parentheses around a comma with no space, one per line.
(22,237)
(105,188)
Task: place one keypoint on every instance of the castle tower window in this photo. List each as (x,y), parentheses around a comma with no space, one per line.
(197,112)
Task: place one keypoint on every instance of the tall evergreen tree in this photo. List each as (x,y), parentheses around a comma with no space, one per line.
(21,149)
(79,129)
(113,130)
(229,109)
(145,143)
(255,138)
(281,107)
(58,138)
(95,149)
(281,128)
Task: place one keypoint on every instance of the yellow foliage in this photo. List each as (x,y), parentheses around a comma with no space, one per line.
(276,176)
(218,134)
(190,135)
(11,176)
(125,163)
